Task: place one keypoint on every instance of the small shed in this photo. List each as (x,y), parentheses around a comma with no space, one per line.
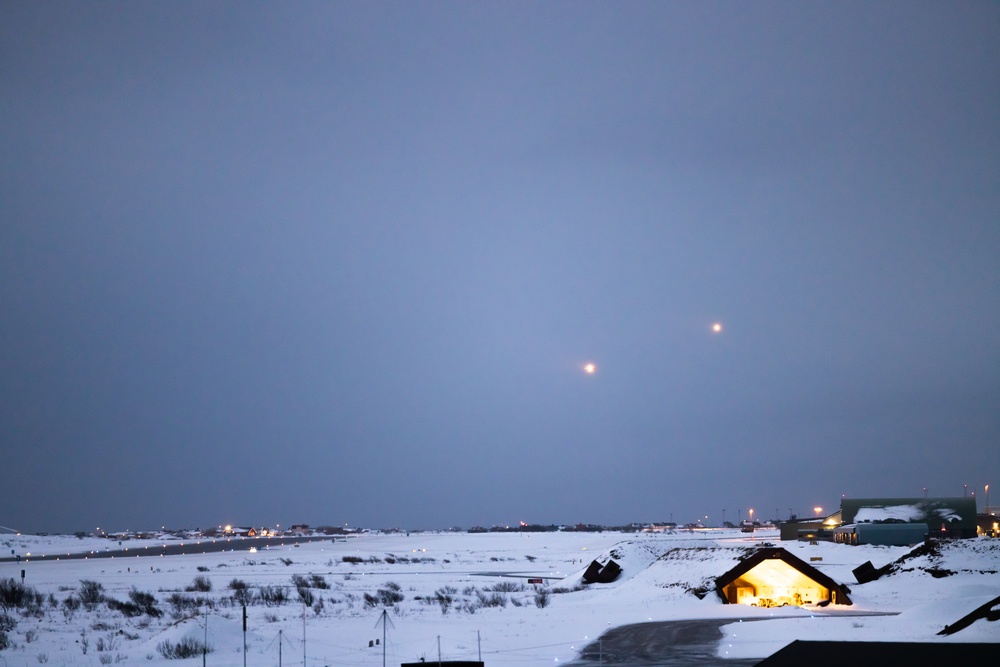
(773,577)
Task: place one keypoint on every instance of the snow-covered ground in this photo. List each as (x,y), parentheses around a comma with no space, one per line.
(448,582)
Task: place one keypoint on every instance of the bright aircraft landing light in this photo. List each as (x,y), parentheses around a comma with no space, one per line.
(717,327)
(589,369)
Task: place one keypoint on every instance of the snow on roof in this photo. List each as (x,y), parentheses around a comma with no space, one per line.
(905,513)
(893,512)
(947,514)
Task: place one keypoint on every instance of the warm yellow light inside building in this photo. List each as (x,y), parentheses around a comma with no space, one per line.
(775,583)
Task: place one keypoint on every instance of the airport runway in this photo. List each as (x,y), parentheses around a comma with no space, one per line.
(177,548)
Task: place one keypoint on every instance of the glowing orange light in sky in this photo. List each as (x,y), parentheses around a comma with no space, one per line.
(589,368)
(717,327)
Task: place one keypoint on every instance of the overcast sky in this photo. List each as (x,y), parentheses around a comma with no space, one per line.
(345,262)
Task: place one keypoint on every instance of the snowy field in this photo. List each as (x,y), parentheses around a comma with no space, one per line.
(461,596)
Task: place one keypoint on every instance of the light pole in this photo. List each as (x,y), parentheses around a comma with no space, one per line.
(965,490)
(986,508)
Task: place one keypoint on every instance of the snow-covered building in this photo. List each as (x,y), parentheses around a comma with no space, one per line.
(773,577)
(904,521)
(889,521)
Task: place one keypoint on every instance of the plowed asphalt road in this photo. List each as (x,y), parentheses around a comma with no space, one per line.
(661,644)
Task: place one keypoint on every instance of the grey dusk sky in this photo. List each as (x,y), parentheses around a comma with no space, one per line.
(344,262)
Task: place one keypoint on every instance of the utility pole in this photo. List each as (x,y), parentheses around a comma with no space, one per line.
(385,621)
(280,638)
(303,634)
(245,636)
(204,646)
(479,645)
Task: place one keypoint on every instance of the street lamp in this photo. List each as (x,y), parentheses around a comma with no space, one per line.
(817,510)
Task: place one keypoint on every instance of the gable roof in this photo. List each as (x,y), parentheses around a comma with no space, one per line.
(777,553)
